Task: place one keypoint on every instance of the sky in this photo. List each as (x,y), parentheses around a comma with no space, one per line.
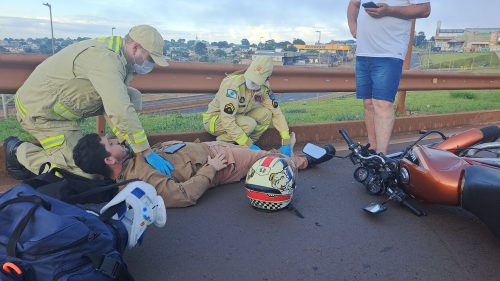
(219,20)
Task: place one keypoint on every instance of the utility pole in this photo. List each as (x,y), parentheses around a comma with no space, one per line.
(51,26)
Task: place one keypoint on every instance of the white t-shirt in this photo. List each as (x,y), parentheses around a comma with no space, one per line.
(386,36)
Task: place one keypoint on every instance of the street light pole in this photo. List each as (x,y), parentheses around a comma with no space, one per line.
(112,29)
(51,27)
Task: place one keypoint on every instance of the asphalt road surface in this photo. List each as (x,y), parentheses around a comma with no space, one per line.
(223,238)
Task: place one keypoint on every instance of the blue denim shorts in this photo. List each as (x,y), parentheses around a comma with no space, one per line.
(378,78)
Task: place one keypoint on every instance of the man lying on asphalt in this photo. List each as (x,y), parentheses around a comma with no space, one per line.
(197,166)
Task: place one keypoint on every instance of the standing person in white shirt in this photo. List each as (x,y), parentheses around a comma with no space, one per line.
(382,35)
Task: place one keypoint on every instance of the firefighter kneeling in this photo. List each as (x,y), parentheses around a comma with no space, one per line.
(245,106)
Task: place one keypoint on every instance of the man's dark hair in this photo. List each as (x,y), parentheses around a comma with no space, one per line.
(89,154)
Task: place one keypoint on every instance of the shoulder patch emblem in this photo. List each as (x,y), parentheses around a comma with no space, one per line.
(275,103)
(242,99)
(229,108)
(231,94)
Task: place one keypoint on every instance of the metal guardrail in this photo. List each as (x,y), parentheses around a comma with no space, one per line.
(184,77)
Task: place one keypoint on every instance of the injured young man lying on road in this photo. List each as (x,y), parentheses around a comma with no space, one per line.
(198,166)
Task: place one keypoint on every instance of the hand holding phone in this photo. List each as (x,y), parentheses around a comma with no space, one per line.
(369,5)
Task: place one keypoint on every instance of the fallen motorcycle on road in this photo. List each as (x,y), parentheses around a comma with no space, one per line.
(462,170)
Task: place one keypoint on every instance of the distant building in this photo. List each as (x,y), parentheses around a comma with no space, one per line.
(279,58)
(467,40)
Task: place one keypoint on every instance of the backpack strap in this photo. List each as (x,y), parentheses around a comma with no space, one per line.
(18,230)
(110,265)
(77,197)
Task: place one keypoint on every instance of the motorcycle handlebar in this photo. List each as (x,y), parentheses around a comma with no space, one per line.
(346,137)
(412,208)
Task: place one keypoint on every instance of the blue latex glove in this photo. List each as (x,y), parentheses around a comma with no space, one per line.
(159,163)
(286,149)
(254,147)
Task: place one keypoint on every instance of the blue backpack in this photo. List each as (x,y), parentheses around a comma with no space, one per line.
(45,239)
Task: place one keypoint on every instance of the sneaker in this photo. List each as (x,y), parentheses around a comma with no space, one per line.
(14,168)
(330,152)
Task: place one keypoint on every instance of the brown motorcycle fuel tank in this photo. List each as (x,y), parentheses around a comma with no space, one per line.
(470,137)
(434,175)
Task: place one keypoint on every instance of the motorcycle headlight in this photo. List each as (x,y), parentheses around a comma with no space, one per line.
(404,175)
(361,173)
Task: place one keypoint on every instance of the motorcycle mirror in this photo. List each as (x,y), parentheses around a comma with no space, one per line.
(375,208)
(314,151)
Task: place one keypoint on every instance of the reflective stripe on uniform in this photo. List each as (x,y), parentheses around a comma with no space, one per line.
(285,134)
(206,116)
(51,142)
(235,76)
(140,137)
(20,107)
(114,43)
(116,132)
(65,113)
(242,140)
(212,123)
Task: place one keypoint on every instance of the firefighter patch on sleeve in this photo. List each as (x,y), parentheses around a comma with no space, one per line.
(229,108)
(231,94)
(275,103)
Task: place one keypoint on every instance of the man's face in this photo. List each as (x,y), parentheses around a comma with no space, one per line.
(141,55)
(118,151)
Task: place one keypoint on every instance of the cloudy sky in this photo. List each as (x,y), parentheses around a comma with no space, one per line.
(219,20)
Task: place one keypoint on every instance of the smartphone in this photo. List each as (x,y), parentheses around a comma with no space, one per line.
(369,5)
(173,148)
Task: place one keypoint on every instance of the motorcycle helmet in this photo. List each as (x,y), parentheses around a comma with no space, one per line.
(142,207)
(270,182)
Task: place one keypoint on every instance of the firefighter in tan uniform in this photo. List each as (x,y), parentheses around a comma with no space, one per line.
(198,166)
(244,107)
(85,79)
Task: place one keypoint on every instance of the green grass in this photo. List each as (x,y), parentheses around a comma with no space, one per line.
(460,60)
(311,111)
(482,70)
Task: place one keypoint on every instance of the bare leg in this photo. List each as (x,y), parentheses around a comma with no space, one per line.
(384,122)
(370,123)
(293,141)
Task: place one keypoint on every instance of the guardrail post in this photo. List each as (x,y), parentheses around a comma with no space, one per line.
(5,103)
(100,125)
(401,100)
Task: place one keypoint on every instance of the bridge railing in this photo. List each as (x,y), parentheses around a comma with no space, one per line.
(187,77)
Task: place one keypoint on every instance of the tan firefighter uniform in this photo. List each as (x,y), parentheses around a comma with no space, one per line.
(85,79)
(192,175)
(240,115)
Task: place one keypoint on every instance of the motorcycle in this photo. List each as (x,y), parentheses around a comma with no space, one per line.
(461,170)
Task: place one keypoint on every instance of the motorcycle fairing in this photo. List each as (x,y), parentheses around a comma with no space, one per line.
(481,195)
